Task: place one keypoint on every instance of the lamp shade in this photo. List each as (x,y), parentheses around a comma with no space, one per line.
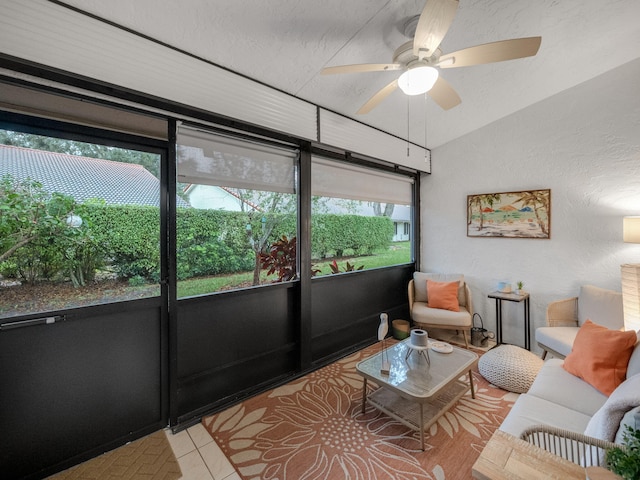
(418,80)
(631,296)
(631,229)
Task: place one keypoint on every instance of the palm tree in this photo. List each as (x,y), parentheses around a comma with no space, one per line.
(477,201)
(539,200)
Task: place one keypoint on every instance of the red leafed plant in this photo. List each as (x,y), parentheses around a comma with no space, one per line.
(281,259)
(348,268)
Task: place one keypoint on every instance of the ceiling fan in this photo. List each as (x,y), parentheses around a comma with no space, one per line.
(418,58)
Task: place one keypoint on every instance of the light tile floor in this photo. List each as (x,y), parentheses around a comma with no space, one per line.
(199,456)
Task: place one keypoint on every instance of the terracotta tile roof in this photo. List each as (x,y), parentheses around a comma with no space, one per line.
(83,178)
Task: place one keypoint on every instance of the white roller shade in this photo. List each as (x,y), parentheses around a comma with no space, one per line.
(341,180)
(212,159)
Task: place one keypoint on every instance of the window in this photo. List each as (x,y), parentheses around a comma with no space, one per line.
(357,214)
(80,224)
(242,201)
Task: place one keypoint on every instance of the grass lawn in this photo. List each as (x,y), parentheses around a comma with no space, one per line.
(397,253)
(45,296)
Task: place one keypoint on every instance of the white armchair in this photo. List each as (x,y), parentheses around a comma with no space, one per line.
(425,317)
(565,317)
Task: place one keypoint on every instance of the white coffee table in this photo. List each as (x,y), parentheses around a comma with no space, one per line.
(415,392)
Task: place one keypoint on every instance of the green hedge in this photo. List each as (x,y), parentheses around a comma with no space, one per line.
(209,242)
(332,235)
(212,242)
(129,236)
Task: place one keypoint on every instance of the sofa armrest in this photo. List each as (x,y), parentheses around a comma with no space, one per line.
(467,292)
(575,447)
(563,313)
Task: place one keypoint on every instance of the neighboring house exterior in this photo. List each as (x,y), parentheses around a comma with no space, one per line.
(83,178)
(212,197)
(402,223)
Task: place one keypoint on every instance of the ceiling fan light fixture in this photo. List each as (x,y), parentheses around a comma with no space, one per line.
(418,80)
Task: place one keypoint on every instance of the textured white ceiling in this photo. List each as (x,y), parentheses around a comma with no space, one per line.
(286,43)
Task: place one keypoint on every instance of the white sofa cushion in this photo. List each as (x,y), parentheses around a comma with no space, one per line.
(421,313)
(555,384)
(420,285)
(530,410)
(601,306)
(559,339)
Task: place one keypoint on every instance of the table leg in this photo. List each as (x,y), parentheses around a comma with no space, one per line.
(498,321)
(364,394)
(527,324)
(473,392)
(422,426)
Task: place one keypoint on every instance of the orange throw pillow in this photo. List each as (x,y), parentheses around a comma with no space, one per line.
(600,356)
(443,295)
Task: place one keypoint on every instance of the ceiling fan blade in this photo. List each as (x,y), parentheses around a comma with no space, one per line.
(492,52)
(435,20)
(378,97)
(444,95)
(361,68)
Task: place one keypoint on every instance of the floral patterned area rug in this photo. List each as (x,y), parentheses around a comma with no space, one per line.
(313,428)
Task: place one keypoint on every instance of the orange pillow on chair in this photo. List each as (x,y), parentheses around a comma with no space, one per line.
(600,356)
(443,295)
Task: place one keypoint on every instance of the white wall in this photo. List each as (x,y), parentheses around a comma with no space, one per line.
(583,144)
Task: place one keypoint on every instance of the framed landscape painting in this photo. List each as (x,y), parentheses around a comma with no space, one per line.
(525,214)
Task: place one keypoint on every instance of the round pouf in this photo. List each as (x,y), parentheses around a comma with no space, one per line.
(510,367)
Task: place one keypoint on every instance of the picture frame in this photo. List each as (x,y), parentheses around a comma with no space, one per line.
(521,214)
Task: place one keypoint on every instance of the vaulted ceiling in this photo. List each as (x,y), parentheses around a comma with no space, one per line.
(286,43)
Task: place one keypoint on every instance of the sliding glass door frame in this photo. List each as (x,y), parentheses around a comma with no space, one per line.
(121,349)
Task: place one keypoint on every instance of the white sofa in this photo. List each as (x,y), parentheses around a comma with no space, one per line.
(562,400)
(561,407)
(568,417)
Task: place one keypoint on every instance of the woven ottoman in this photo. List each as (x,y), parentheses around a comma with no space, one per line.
(510,367)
